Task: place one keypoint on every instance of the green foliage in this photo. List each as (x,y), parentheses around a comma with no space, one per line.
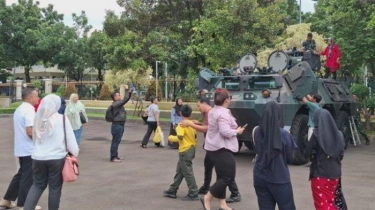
(60,90)
(361,91)
(7,110)
(15,104)
(4,75)
(151,91)
(37,84)
(29,34)
(70,89)
(105,93)
(371,103)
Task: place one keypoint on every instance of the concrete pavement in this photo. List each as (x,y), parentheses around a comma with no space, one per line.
(137,183)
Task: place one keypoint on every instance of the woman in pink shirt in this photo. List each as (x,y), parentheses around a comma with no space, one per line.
(220,143)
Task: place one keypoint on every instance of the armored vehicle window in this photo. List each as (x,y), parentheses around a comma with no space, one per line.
(229,84)
(261,83)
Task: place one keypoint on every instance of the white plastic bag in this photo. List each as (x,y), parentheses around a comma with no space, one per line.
(161,138)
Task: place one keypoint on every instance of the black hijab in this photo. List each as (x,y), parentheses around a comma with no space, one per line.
(269,127)
(177,107)
(329,138)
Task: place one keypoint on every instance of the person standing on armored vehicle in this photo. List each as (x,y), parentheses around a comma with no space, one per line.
(333,54)
(309,43)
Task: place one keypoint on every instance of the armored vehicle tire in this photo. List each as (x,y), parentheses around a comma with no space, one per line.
(299,131)
(342,122)
(249,145)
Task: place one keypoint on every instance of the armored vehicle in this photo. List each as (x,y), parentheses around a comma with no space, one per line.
(251,87)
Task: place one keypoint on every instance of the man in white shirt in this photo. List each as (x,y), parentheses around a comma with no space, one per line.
(23,120)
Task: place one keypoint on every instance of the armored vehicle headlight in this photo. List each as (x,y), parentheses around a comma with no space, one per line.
(209,95)
(249,96)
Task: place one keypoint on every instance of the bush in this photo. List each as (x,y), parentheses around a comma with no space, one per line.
(151,91)
(15,104)
(70,89)
(60,90)
(105,94)
(7,111)
(37,84)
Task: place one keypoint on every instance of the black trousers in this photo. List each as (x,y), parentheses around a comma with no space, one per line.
(21,182)
(46,172)
(151,127)
(328,73)
(225,168)
(270,194)
(172,131)
(208,167)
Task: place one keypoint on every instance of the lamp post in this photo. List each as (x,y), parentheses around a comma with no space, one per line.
(156,74)
(300,18)
(166,81)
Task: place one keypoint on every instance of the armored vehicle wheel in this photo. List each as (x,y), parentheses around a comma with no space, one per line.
(342,122)
(249,145)
(299,131)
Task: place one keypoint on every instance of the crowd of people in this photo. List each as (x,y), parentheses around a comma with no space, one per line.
(41,151)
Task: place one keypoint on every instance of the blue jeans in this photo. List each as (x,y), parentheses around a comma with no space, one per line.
(117,130)
(77,134)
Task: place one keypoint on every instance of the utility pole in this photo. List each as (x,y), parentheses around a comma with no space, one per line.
(156,74)
(166,81)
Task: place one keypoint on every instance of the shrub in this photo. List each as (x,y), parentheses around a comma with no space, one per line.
(37,84)
(105,94)
(7,111)
(60,90)
(15,104)
(151,91)
(70,89)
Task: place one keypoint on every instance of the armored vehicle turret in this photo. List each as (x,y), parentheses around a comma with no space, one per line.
(251,88)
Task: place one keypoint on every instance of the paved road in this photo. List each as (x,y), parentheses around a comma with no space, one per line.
(138,182)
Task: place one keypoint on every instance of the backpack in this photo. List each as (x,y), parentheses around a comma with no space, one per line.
(109,114)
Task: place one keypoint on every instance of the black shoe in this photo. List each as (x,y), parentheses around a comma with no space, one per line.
(169,194)
(143,145)
(190,198)
(234,198)
(203,191)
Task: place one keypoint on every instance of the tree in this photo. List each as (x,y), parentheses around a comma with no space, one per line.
(139,77)
(74,57)
(105,93)
(97,50)
(151,91)
(70,89)
(22,33)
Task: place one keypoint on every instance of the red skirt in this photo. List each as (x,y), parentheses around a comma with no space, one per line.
(324,192)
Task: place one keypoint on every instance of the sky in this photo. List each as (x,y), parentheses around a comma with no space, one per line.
(95,9)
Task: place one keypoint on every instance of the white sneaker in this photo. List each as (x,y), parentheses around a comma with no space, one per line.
(36,208)
(7,204)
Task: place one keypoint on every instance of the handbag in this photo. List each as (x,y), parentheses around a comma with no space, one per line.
(82,117)
(70,170)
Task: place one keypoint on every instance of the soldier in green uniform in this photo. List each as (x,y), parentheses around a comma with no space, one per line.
(358,123)
(309,43)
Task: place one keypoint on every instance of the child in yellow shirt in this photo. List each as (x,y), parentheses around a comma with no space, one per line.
(187,138)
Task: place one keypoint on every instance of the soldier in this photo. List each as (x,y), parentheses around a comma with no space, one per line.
(309,43)
(358,123)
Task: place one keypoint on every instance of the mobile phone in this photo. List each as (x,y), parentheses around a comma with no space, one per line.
(245,125)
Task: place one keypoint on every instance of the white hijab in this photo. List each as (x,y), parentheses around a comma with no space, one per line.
(46,117)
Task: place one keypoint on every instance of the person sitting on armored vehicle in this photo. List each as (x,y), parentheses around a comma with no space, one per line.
(309,43)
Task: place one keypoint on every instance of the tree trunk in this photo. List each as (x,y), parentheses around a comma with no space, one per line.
(27,74)
(100,75)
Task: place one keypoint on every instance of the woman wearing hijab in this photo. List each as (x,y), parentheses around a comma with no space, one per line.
(175,119)
(72,111)
(274,148)
(49,152)
(220,143)
(326,150)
